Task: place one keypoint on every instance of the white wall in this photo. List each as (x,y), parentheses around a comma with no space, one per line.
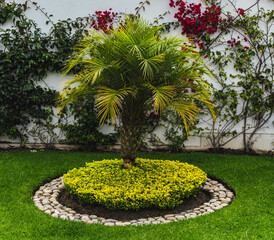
(63,9)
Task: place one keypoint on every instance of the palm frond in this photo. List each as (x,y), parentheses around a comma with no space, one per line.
(138,57)
(162,96)
(203,95)
(93,69)
(188,111)
(72,93)
(150,66)
(109,102)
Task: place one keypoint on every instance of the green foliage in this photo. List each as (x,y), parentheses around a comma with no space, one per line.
(141,7)
(8,11)
(241,56)
(250,216)
(26,56)
(175,132)
(243,42)
(84,130)
(46,132)
(151,183)
(246,95)
(22,65)
(136,69)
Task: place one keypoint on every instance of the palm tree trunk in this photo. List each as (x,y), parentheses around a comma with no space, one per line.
(130,143)
(131,133)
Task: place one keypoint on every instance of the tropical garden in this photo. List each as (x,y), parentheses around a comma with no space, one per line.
(132,74)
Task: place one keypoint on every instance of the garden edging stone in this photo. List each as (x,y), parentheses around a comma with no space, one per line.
(46,200)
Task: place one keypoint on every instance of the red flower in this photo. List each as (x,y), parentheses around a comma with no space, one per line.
(241,11)
(246,47)
(201,45)
(211,30)
(103,20)
(245,39)
(195,21)
(172,4)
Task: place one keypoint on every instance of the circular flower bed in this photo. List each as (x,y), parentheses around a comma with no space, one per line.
(151,183)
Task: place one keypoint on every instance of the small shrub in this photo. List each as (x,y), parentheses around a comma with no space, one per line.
(161,184)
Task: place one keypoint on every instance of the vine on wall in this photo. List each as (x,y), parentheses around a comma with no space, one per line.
(236,40)
(24,60)
(27,55)
(84,129)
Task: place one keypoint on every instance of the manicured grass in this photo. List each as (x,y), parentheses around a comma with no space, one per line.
(250,216)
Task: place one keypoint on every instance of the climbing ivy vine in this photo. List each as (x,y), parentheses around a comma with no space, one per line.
(27,55)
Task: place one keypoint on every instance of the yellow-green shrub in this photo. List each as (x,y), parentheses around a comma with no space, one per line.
(152,183)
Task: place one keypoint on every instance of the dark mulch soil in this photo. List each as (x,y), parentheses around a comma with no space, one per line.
(127,215)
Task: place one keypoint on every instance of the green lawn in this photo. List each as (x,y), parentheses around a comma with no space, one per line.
(250,216)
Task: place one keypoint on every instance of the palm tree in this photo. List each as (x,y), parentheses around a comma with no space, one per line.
(136,69)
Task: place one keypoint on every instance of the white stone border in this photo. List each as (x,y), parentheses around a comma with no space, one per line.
(46,200)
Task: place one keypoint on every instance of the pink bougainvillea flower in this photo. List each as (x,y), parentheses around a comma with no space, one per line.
(195,21)
(172,4)
(103,20)
(241,11)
